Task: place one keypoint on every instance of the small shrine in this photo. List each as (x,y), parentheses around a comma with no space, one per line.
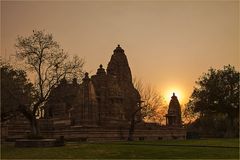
(173,117)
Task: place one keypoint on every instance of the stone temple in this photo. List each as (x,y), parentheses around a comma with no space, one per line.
(173,118)
(106,99)
(99,108)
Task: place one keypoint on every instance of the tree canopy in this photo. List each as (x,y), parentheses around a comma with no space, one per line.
(15,90)
(215,95)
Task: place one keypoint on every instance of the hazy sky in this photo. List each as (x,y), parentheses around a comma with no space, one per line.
(168,44)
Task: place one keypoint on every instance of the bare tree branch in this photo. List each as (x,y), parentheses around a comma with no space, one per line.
(153,108)
(48,62)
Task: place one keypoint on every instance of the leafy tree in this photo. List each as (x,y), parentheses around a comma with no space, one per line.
(16,90)
(48,64)
(188,115)
(216,97)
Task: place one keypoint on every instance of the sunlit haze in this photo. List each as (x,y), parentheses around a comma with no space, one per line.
(178,93)
(168,44)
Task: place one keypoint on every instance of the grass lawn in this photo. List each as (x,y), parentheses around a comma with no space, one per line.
(171,149)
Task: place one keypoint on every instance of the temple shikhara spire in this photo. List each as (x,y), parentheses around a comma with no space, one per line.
(173,117)
(118,66)
(107,98)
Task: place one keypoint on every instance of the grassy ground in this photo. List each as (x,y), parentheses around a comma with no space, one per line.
(172,149)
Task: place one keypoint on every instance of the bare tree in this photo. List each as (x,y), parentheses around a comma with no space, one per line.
(151,107)
(48,63)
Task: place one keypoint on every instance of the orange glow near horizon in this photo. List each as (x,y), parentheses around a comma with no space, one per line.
(178,92)
(168,44)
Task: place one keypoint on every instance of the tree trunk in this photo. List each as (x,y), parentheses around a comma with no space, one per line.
(131,129)
(31,118)
(34,126)
(132,125)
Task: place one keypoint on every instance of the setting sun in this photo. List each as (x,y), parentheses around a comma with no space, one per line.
(168,94)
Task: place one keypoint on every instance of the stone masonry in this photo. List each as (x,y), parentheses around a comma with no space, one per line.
(100,108)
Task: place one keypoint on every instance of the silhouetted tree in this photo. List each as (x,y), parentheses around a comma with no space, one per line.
(48,63)
(188,115)
(16,90)
(151,107)
(216,98)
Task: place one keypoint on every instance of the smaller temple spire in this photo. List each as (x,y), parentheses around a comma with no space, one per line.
(174,96)
(101,70)
(86,78)
(74,81)
(173,117)
(86,75)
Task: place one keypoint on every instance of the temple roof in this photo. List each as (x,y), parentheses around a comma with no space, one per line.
(174,105)
(118,50)
(118,66)
(101,70)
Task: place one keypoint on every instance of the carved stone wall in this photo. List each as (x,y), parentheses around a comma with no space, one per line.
(107,98)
